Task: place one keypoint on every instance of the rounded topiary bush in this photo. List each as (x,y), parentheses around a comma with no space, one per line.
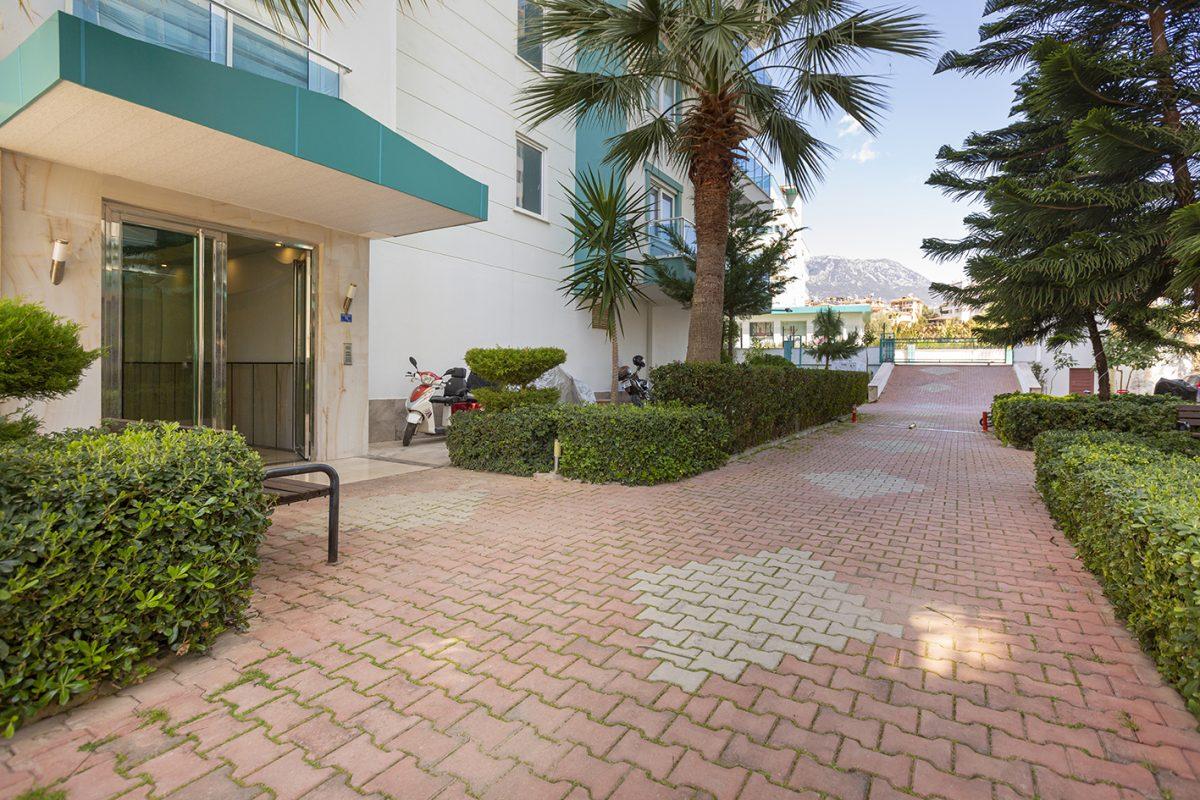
(511,371)
(513,366)
(40,359)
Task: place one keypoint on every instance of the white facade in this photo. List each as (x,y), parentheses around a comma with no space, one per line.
(447,77)
(1057,379)
(453,89)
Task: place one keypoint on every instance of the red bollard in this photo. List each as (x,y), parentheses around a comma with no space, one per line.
(854,413)
(983,422)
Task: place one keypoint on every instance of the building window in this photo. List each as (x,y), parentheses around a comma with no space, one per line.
(663,203)
(238,33)
(529,32)
(762,330)
(796,331)
(666,96)
(529,176)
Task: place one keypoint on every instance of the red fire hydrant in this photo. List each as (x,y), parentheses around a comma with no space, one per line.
(854,413)
(983,421)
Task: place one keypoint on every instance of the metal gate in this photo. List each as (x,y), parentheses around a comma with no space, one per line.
(942,351)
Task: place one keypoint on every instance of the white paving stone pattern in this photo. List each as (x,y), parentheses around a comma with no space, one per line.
(939,370)
(400,511)
(936,388)
(721,616)
(857,484)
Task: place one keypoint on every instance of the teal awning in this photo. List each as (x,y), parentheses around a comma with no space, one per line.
(79,94)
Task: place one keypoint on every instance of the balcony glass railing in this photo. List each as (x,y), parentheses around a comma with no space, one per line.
(218,32)
(757,173)
(667,235)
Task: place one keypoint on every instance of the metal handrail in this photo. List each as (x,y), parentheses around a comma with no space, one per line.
(309,48)
(680,225)
(334,497)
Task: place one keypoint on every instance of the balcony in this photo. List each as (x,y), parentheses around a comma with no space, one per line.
(668,238)
(221,33)
(757,173)
(155,116)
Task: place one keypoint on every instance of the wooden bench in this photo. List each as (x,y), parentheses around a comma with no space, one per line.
(1189,419)
(277,484)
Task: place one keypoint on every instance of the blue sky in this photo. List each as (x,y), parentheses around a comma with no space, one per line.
(874,202)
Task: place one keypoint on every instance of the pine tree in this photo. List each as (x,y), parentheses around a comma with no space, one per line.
(757,256)
(1058,250)
(1125,77)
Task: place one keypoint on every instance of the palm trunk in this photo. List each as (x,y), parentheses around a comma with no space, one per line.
(612,337)
(1185,190)
(1100,358)
(712,234)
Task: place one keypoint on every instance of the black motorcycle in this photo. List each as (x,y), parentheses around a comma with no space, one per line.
(633,384)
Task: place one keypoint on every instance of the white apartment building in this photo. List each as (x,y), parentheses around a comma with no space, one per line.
(264,221)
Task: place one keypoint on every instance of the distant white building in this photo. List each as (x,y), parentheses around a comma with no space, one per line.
(786,200)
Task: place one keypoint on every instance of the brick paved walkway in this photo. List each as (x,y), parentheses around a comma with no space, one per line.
(871,611)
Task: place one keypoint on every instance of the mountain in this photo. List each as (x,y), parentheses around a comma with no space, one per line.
(835,276)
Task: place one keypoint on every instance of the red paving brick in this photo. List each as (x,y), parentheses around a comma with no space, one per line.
(483,637)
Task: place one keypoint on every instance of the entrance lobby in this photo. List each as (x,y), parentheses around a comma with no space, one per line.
(209,327)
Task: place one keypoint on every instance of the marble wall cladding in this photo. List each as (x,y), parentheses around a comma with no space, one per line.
(41,201)
(387,419)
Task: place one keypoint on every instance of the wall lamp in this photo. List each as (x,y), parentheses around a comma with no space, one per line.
(349,301)
(58,260)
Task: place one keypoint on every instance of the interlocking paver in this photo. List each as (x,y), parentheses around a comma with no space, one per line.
(867,611)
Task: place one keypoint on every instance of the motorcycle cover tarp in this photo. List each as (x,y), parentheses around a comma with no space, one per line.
(571,390)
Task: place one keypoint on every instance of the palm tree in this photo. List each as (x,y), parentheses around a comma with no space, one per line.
(828,342)
(746,71)
(606,274)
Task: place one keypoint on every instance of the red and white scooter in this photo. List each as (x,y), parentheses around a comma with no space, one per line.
(454,393)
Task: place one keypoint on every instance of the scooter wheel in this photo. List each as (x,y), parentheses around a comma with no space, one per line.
(409,430)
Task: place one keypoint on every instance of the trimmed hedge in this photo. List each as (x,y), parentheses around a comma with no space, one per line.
(115,547)
(640,446)
(518,441)
(1019,418)
(762,403)
(600,444)
(493,399)
(768,360)
(1132,508)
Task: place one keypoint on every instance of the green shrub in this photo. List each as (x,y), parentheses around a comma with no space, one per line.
(517,441)
(755,359)
(762,403)
(493,399)
(600,444)
(1019,418)
(40,359)
(1132,508)
(513,366)
(115,547)
(640,446)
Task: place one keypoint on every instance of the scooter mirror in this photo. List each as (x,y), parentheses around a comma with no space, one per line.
(638,361)
(412,361)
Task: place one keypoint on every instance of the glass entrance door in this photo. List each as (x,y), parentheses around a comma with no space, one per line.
(164,300)
(207,328)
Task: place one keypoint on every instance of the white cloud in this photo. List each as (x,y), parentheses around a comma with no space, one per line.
(848,126)
(865,153)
